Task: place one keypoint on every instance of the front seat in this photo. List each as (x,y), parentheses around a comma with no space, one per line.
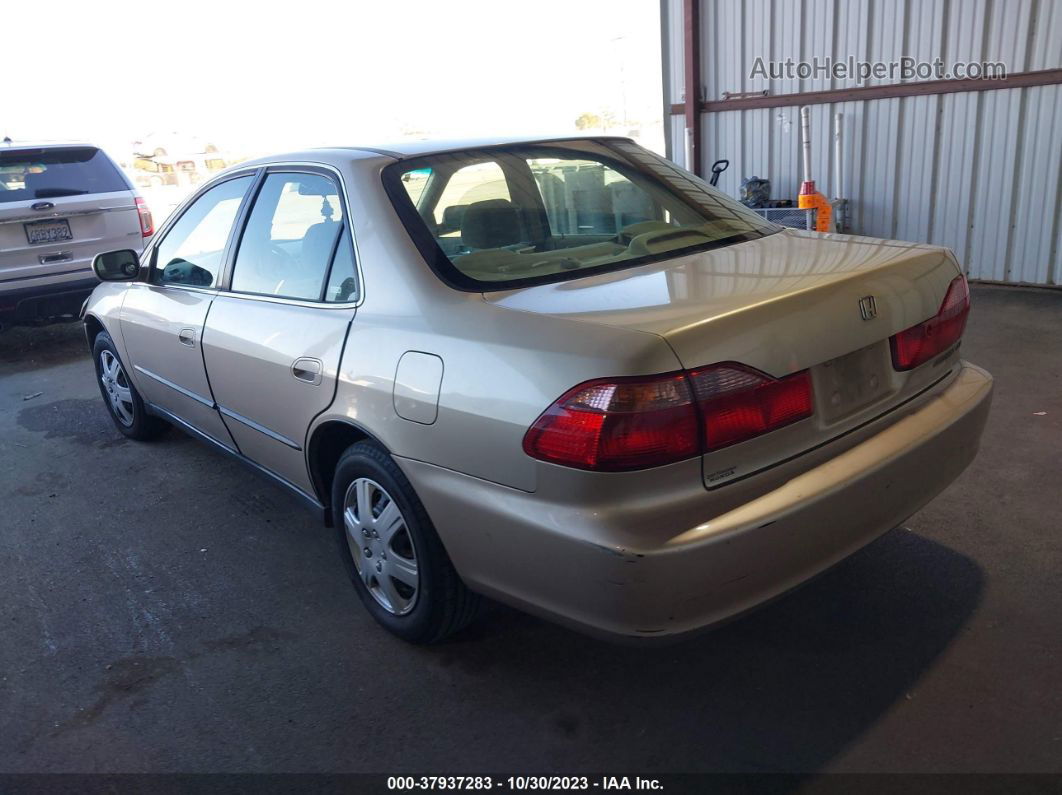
(492,223)
(318,242)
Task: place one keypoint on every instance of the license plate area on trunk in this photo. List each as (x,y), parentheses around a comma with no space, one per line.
(852,382)
(50,231)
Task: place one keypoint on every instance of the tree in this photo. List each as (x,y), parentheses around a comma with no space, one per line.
(588,121)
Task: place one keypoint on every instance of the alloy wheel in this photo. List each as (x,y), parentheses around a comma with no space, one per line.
(381,545)
(116,387)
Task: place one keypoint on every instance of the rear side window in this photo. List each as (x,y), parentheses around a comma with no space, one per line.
(290,239)
(48,173)
(342,281)
(191,252)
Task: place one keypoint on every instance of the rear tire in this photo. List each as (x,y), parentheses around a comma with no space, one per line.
(391,551)
(123,402)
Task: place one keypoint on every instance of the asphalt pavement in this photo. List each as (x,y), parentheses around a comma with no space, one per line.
(163,609)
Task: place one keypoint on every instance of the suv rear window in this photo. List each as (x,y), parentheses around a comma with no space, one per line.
(47,173)
(509,216)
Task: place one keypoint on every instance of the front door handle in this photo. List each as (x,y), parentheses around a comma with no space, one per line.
(186,336)
(308,370)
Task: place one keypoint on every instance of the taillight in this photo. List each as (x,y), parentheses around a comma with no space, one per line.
(918,344)
(738,403)
(618,424)
(147,224)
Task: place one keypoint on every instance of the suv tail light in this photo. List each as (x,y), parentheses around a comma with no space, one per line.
(918,344)
(738,403)
(619,424)
(147,224)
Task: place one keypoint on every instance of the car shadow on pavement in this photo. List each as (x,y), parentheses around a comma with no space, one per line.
(24,348)
(783,689)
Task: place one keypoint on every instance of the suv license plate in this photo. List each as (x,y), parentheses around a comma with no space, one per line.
(48,231)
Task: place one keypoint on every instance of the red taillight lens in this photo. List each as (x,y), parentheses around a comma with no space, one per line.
(737,402)
(918,344)
(618,424)
(147,224)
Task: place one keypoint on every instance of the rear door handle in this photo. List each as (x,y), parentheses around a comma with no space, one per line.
(307,370)
(186,336)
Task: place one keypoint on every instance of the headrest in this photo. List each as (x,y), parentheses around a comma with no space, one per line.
(490,224)
(452,215)
(318,242)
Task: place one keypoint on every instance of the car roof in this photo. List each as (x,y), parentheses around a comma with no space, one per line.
(413,148)
(16,145)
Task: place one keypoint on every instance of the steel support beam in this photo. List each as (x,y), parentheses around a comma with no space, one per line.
(691,106)
(1045,77)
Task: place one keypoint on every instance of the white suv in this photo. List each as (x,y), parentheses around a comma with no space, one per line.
(60,205)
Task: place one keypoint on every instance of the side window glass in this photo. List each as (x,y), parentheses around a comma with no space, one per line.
(415,182)
(342,281)
(290,236)
(192,250)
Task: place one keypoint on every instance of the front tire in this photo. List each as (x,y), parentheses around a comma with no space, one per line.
(123,402)
(391,551)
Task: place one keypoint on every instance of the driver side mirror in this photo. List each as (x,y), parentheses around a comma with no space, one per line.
(117,266)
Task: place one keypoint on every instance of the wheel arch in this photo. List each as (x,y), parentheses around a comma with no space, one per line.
(93,327)
(327,443)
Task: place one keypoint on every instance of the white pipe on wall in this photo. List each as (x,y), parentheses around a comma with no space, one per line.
(805,137)
(838,154)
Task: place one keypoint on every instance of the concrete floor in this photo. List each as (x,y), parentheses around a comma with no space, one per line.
(163,609)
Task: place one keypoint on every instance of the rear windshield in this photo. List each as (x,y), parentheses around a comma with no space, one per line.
(52,172)
(510,216)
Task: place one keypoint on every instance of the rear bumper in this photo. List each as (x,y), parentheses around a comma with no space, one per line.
(46,298)
(714,558)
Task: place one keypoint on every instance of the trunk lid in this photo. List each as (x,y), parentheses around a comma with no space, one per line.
(787,302)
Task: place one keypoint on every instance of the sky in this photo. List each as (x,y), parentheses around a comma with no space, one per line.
(268,76)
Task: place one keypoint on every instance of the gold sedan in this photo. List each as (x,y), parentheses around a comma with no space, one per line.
(565,374)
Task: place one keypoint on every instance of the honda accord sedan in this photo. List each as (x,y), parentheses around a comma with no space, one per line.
(564,374)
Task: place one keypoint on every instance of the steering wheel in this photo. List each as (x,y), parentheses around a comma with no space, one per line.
(275,263)
(281,255)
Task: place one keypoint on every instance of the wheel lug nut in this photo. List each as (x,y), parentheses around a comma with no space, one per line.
(368,552)
(379,566)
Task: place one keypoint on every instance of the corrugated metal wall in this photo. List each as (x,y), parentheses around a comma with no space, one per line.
(980,172)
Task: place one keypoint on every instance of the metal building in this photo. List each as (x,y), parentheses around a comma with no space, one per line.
(973,164)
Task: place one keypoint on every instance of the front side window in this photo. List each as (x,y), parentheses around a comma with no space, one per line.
(506,216)
(290,239)
(191,253)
